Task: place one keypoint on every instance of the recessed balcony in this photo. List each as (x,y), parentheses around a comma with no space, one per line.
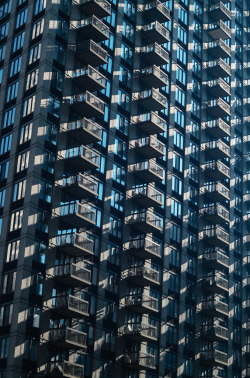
(92,28)
(219,12)
(215,259)
(76,215)
(218,49)
(72,275)
(90,52)
(155,32)
(85,131)
(76,245)
(214,358)
(140,332)
(214,332)
(217,68)
(218,30)
(151,99)
(218,88)
(216,170)
(144,276)
(217,128)
(86,104)
(216,237)
(215,284)
(150,147)
(80,186)
(150,123)
(216,214)
(145,221)
(70,306)
(154,54)
(68,338)
(81,159)
(152,77)
(217,149)
(144,248)
(147,196)
(141,303)
(156,11)
(148,171)
(139,361)
(99,8)
(218,108)
(214,308)
(89,78)
(216,192)
(72,370)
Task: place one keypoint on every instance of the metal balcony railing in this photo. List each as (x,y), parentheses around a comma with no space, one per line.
(148,191)
(141,300)
(146,244)
(215,306)
(217,232)
(78,209)
(70,304)
(216,257)
(89,52)
(159,28)
(142,329)
(216,209)
(150,123)
(215,356)
(217,127)
(92,74)
(72,370)
(140,359)
(68,335)
(154,51)
(216,281)
(75,271)
(93,5)
(94,21)
(215,330)
(146,167)
(157,5)
(84,153)
(84,181)
(146,273)
(87,126)
(216,189)
(89,99)
(79,241)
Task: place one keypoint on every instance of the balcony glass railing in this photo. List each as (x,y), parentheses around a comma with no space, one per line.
(156,48)
(158,27)
(222,7)
(219,25)
(140,359)
(147,191)
(216,210)
(141,300)
(152,93)
(219,82)
(215,355)
(90,46)
(216,255)
(148,217)
(215,330)
(74,270)
(90,72)
(216,281)
(217,165)
(215,305)
(98,24)
(86,124)
(83,152)
(149,165)
(147,244)
(150,117)
(217,232)
(217,144)
(89,98)
(70,335)
(78,209)
(145,272)
(82,180)
(157,5)
(217,123)
(142,329)
(154,70)
(219,43)
(79,240)
(150,141)
(218,63)
(72,303)
(217,188)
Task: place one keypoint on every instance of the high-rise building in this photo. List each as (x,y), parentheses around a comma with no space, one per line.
(124,188)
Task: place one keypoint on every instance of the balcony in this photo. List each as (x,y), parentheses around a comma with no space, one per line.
(80,186)
(216,170)
(247,326)
(148,171)
(140,332)
(70,307)
(246,103)
(246,349)
(82,158)
(218,49)
(156,11)
(99,8)
(144,248)
(154,54)
(218,108)
(214,358)
(141,303)
(85,131)
(151,99)
(146,221)
(155,32)
(147,196)
(144,276)
(216,214)
(217,149)
(90,52)
(86,104)
(246,260)
(152,77)
(92,28)
(215,259)
(217,68)
(216,284)
(216,237)
(219,12)
(76,215)
(217,128)
(216,192)
(72,275)
(150,123)
(72,370)
(89,78)
(68,338)
(150,147)
(218,30)
(214,308)
(139,361)
(214,332)
(76,245)
(218,88)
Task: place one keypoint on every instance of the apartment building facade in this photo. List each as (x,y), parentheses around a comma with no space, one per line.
(124,188)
